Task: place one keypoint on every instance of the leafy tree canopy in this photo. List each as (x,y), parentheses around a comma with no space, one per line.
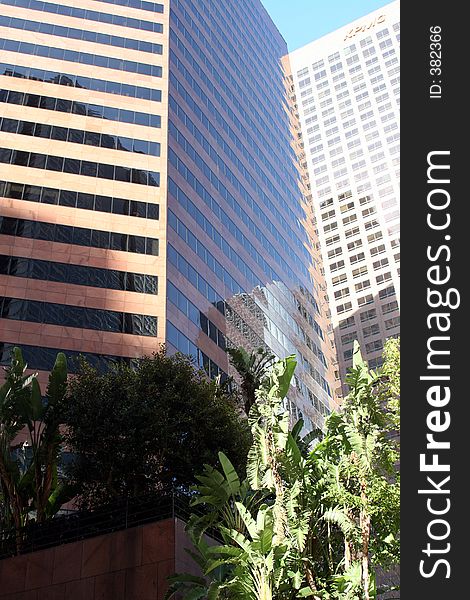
(151,428)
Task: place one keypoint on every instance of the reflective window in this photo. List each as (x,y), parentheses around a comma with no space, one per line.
(83,167)
(196,316)
(79,34)
(142,4)
(81,57)
(89,138)
(78,235)
(78,274)
(43,359)
(77,316)
(90,15)
(100,85)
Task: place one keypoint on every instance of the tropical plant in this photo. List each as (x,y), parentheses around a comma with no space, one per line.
(307,522)
(29,482)
(261,521)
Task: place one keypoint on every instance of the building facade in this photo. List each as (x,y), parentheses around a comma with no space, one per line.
(345,88)
(160,199)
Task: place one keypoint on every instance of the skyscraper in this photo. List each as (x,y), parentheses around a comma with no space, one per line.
(345,87)
(149,189)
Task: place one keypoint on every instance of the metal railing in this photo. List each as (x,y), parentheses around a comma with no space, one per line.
(79,525)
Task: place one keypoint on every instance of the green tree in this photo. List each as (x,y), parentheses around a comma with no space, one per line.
(29,482)
(136,431)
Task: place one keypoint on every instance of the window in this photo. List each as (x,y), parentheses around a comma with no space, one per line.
(392,323)
(351,232)
(369,299)
(335,252)
(383,278)
(332,240)
(348,338)
(345,207)
(330,227)
(371,330)
(377,250)
(345,323)
(363,285)
(368,315)
(339,279)
(359,272)
(336,266)
(389,307)
(375,346)
(355,244)
(379,264)
(350,219)
(357,258)
(341,308)
(342,293)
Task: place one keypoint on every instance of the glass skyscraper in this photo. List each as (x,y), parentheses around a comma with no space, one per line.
(149,189)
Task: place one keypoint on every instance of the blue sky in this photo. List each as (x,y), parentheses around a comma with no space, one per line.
(302,21)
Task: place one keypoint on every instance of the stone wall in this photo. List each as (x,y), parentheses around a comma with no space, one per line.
(126,565)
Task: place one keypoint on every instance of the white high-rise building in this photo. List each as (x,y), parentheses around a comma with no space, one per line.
(347,94)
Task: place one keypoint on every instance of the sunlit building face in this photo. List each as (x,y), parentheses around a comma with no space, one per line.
(347,92)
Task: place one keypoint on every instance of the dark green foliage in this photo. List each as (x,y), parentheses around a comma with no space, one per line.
(30,488)
(135,432)
(251,367)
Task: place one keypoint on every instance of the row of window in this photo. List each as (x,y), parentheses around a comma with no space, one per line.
(97,111)
(81,34)
(80,236)
(90,15)
(43,359)
(184,345)
(196,316)
(84,58)
(108,204)
(79,81)
(44,270)
(141,4)
(79,167)
(35,311)
(78,136)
